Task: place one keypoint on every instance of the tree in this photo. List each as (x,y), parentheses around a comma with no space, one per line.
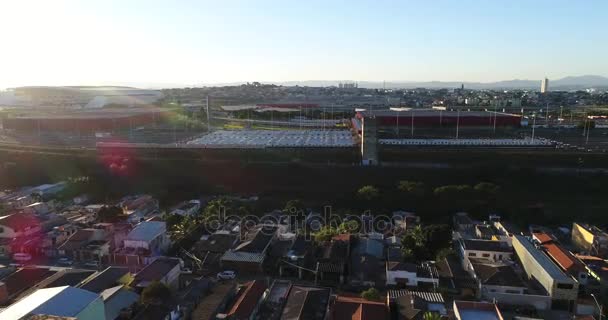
(293,205)
(431,316)
(411,188)
(109,214)
(173,220)
(368,193)
(487,189)
(444,253)
(371,294)
(422,244)
(156,293)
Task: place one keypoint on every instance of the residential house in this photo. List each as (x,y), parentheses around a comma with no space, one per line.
(63,301)
(211,247)
(86,245)
(590,239)
(117,299)
(412,305)
(348,308)
(405,221)
(136,208)
(20,281)
(410,274)
(297,257)
(216,301)
(106,279)
(469,310)
(367,262)
(331,260)
(306,303)
(247,301)
(146,241)
(164,269)
(249,255)
(150,236)
(562,257)
(56,237)
(187,208)
(19,224)
(597,269)
(487,249)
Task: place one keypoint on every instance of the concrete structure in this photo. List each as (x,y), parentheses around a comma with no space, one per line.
(544,85)
(59,301)
(486,249)
(562,288)
(369,141)
(590,239)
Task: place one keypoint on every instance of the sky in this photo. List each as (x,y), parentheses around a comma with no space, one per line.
(148,43)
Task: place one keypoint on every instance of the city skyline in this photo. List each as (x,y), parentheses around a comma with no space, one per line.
(190,43)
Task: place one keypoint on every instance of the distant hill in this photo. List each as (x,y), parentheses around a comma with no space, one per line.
(567,83)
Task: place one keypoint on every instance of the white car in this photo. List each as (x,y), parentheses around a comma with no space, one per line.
(65,262)
(226,275)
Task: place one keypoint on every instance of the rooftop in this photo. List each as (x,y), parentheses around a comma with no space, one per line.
(308,303)
(352,308)
(542,259)
(58,301)
(156,270)
(486,245)
(247,299)
(147,231)
(467,310)
(105,279)
(497,274)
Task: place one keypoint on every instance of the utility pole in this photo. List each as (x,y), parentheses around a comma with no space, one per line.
(207,106)
(412,123)
(457,123)
(533,125)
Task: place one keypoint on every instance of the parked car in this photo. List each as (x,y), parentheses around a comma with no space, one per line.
(92,264)
(226,275)
(22,257)
(65,261)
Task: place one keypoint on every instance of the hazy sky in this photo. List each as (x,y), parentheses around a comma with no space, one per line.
(191,42)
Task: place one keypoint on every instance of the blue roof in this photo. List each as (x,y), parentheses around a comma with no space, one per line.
(370,247)
(147,230)
(58,301)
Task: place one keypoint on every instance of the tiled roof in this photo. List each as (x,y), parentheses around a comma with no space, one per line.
(542,237)
(248,297)
(497,275)
(566,260)
(309,303)
(350,308)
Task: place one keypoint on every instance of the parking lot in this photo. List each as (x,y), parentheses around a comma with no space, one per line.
(275,138)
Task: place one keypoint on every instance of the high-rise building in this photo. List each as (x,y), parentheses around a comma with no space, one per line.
(544,85)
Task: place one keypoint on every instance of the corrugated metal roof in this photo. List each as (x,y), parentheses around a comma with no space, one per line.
(241,256)
(431,297)
(58,301)
(147,230)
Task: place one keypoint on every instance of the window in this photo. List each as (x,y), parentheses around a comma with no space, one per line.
(472,254)
(565,286)
(512,291)
(486,255)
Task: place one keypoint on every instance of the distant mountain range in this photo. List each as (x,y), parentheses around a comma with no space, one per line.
(567,83)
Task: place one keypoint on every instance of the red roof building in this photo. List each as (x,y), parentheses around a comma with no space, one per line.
(248,300)
(353,308)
